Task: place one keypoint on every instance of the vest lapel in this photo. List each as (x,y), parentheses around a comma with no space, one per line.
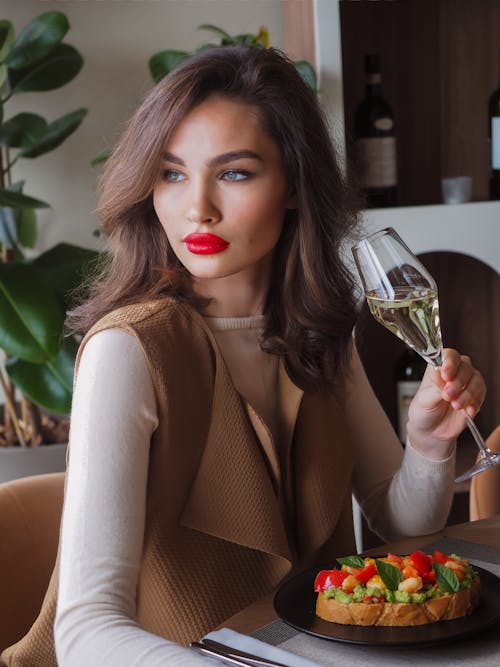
(323,461)
(232,496)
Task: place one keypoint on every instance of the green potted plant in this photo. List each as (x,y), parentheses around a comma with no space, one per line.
(160,64)
(37,374)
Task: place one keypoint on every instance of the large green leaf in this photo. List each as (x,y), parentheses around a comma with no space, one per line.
(55,70)
(18,200)
(3,79)
(37,39)
(27,231)
(6,38)
(24,129)
(64,267)
(164,62)
(49,385)
(31,315)
(55,133)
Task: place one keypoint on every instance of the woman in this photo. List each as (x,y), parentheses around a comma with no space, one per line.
(221,416)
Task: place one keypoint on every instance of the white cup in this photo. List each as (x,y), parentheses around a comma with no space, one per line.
(456,190)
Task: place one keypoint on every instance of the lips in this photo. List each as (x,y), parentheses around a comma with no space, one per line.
(205,244)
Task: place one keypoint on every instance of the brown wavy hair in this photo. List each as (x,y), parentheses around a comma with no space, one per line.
(311,301)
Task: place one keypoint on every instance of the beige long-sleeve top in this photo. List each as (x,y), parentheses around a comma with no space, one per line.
(113,417)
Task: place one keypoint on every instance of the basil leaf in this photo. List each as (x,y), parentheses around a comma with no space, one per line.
(352,561)
(446,579)
(390,574)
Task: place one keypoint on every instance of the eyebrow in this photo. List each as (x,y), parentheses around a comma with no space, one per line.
(218,160)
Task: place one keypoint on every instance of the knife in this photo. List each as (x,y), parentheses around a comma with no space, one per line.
(231,655)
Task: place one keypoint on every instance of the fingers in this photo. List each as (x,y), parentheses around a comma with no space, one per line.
(464,387)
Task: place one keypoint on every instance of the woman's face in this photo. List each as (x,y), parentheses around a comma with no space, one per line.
(221,194)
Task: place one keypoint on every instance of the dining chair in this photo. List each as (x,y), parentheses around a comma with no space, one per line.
(484,496)
(30,516)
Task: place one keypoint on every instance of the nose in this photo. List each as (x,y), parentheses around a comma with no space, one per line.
(202,208)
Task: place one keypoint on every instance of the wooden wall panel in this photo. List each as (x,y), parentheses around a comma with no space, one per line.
(299,30)
(439,66)
(469,43)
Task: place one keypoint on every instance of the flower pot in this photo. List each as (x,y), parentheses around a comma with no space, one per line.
(18,462)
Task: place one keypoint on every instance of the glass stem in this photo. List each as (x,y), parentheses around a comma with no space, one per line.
(483,449)
(485,452)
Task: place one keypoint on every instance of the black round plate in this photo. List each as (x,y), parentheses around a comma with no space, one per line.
(295,603)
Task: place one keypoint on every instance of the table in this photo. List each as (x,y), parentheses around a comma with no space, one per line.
(481,540)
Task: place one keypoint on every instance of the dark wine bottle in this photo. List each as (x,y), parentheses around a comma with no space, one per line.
(408,372)
(494,133)
(376,141)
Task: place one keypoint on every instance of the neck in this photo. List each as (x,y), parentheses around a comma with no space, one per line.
(234,295)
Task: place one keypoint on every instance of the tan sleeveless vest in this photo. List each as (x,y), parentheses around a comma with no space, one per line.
(212,500)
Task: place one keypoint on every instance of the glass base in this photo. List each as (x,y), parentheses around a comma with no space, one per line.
(485,463)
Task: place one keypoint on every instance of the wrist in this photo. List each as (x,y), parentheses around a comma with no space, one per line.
(430,445)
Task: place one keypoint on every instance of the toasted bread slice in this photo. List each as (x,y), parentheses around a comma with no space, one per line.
(446,607)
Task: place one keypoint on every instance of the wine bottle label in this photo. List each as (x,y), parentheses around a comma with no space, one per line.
(377,162)
(384,124)
(405,393)
(495,143)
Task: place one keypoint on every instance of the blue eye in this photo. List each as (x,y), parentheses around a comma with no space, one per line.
(233,175)
(172,176)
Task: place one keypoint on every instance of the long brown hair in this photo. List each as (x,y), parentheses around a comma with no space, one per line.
(311,301)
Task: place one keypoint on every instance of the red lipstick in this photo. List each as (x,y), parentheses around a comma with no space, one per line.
(205,244)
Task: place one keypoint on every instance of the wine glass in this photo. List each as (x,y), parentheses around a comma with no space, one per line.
(402,296)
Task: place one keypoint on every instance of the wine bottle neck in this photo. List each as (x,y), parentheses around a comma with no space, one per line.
(373,87)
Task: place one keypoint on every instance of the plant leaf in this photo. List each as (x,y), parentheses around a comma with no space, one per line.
(31,315)
(162,63)
(101,158)
(24,129)
(351,561)
(446,579)
(18,200)
(26,227)
(307,72)
(64,267)
(3,78)
(6,38)
(262,37)
(37,39)
(49,385)
(55,133)
(390,574)
(58,67)
(8,227)
(217,31)
(245,39)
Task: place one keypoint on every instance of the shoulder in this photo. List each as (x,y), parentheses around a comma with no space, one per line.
(112,349)
(166,312)
(164,328)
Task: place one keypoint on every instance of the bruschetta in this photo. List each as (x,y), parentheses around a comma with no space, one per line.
(397,590)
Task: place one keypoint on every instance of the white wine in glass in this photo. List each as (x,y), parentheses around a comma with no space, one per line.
(403,297)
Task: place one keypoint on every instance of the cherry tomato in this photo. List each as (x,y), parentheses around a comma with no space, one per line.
(440,557)
(393,558)
(429,578)
(365,573)
(326,579)
(422,562)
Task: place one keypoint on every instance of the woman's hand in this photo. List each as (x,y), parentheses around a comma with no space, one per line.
(435,418)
